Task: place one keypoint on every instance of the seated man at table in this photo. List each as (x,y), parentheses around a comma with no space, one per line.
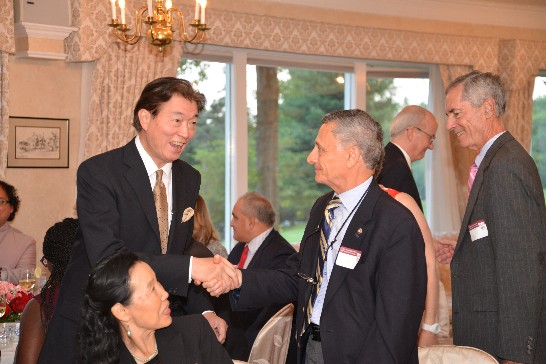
(260,247)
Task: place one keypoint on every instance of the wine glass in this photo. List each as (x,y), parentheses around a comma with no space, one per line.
(3,304)
(27,279)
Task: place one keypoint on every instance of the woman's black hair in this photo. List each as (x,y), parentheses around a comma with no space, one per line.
(99,335)
(57,247)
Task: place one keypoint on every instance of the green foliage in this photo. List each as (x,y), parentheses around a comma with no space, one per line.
(538,143)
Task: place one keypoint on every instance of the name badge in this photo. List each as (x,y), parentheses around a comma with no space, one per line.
(348,257)
(478,230)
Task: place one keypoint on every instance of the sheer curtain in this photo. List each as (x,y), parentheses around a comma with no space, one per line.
(462,157)
(443,211)
(7,45)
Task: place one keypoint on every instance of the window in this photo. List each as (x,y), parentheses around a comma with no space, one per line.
(207,151)
(264,110)
(538,137)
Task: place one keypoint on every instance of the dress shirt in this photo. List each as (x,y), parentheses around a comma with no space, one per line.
(485,148)
(151,169)
(406,155)
(255,244)
(341,221)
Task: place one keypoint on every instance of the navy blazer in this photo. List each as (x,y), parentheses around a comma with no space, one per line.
(243,326)
(371,313)
(116,212)
(396,173)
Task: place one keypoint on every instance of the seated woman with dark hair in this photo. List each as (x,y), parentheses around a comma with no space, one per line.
(126,319)
(58,242)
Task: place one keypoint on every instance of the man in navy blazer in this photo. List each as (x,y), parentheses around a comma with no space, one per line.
(412,131)
(371,290)
(498,266)
(252,221)
(117,212)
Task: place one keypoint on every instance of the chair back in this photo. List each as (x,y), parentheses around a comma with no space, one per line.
(447,354)
(271,344)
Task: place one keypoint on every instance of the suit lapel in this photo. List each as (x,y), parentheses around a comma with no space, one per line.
(257,256)
(354,238)
(138,179)
(478,181)
(181,201)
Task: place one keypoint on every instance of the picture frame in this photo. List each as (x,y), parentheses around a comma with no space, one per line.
(38,142)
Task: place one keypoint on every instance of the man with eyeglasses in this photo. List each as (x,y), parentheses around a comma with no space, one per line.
(17,250)
(413,131)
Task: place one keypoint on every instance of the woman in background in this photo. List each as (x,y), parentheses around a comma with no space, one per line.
(17,250)
(126,319)
(58,242)
(204,231)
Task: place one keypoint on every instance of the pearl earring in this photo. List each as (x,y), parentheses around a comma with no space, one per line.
(128,331)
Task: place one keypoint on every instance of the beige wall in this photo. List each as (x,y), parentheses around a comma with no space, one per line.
(51,89)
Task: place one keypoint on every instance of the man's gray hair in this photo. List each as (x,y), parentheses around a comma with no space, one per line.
(478,86)
(409,117)
(357,128)
(256,205)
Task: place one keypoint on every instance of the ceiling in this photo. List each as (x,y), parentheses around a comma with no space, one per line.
(511,13)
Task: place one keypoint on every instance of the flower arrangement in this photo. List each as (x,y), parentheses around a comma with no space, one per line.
(16,297)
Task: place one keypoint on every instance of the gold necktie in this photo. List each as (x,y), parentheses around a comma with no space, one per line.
(162,209)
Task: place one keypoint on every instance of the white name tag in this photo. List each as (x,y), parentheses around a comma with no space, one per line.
(348,257)
(478,230)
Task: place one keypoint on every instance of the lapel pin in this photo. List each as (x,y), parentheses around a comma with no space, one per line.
(358,232)
(188,213)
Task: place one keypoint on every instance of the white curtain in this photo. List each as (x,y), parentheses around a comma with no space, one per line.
(443,212)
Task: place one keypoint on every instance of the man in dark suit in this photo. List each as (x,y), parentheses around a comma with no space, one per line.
(260,247)
(413,131)
(498,266)
(117,211)
(365,304)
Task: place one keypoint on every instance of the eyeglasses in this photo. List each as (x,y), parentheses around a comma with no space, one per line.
(44,261)
(432,137)
(3,202)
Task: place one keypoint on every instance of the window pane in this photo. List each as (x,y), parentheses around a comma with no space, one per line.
(286,106)
(206,152)
(538,137)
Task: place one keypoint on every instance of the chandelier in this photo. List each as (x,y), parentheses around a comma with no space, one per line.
(161,20)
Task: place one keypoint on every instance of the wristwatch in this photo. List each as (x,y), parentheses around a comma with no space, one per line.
(434,328)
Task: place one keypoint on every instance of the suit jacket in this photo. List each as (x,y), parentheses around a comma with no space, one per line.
(371,313)
(396,173)
(244,326)
(188,340)
(498,281)
(116,212)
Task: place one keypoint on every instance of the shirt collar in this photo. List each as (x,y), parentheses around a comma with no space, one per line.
(256,242)
(149,164)
(352,197)
(406,155)
(485,148)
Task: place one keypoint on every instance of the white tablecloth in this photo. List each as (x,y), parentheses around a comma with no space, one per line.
(8,349)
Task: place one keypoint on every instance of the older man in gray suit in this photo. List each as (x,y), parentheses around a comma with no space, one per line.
(498,266)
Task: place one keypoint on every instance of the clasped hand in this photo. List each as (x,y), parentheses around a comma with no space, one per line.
(216,274)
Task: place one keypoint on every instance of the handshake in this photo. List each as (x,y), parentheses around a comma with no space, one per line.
(217,275)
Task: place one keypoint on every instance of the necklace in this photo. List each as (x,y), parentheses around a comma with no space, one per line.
(147,359)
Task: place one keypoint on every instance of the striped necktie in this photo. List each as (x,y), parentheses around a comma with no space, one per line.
(326,227)
(471,177)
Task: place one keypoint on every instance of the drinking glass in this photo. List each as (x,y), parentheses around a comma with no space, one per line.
(27,279)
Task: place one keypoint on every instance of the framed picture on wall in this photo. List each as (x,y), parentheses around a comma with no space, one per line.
(37,142)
